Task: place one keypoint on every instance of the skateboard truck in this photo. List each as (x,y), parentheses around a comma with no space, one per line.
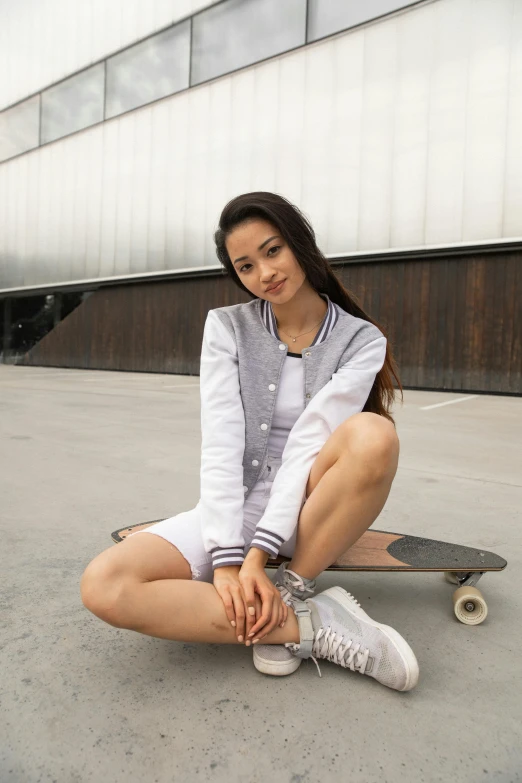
(467,580)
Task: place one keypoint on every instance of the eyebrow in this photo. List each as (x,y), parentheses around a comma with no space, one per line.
(243,258)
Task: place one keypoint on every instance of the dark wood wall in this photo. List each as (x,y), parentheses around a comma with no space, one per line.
(147,327)
(454,322)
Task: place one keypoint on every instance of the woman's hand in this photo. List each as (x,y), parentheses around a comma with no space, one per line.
(226,582)
(254,582)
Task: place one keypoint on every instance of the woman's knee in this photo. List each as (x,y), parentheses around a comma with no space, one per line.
(373,439)
(103,589)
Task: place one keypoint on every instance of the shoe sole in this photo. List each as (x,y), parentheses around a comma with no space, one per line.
(276,668)
(400,644)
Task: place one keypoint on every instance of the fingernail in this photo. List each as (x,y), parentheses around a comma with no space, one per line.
(232,623)
(247,643)
(240,638)
(251,610)
(251,634)
(255,641)
(282,625)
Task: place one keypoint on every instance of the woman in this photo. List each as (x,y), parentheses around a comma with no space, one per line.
(299,452)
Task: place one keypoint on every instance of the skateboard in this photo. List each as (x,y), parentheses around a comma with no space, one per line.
(377,550)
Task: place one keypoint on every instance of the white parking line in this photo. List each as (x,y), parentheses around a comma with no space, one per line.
(449,402)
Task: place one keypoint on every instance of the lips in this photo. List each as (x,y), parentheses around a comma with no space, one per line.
(275,289)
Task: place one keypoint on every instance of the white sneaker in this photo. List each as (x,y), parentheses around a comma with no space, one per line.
(276,659)
(333,626)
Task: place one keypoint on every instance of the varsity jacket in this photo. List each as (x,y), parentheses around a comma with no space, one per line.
(241,362)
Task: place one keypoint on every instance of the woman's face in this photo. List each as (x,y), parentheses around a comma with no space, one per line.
(262,258)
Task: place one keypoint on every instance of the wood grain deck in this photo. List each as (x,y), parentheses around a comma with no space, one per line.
(378,550)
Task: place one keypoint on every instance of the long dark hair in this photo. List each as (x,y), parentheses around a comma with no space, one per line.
(296,230)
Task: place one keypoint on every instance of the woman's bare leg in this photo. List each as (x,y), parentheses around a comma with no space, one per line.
(347,488)
(144,584)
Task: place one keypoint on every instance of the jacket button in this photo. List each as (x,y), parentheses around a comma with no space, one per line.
(307,396)
(308,353)
(271,387)
(282,347)
(264,426)
(245,489)
(255,463)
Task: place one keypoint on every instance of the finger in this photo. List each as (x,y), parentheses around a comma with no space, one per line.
(267,600)
(239,608)
(250,603)
(273,622)
(228,603)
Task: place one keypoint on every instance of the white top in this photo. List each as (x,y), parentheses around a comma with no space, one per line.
(289,404)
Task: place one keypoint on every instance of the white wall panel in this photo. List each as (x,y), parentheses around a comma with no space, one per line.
(45,41)
(447,122)
(267,102)
(220,158)
(346,142)
(289,120)
(317,162)
(486,120)
(92,151)
(512,202)
(401,133)
(200,122)
(379,99)
(123,173)
(140,191)
(242,121)
(410,130)
(159,189)
(177,175)
(115,192)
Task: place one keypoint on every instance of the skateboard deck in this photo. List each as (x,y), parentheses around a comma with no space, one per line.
(378,550)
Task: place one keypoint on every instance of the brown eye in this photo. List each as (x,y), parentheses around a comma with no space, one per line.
(274,247)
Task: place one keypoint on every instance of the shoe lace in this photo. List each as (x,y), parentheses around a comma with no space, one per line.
(333,647)
(296,582)
(286,595)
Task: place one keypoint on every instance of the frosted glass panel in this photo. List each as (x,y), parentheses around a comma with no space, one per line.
(19,128)
(240,32)
(326,17)
(73,104)
(151,70)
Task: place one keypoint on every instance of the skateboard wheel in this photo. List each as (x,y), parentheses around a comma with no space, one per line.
(451,577)
(469,606)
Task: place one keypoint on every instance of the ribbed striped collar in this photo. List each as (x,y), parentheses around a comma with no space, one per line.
(328,323)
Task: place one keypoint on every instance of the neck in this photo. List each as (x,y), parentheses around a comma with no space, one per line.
(304,311)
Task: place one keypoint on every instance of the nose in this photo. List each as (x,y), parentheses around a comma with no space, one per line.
(266,272)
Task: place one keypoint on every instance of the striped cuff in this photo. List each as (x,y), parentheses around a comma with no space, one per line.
(267,541)
(229,556)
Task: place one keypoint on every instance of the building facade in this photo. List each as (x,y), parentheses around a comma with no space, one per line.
(126,126)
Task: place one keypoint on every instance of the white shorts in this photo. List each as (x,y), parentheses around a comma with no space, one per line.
(184,530)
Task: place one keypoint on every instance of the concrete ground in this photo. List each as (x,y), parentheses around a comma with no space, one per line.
(83,453)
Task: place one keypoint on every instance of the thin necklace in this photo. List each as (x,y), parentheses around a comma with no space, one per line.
(300,335)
